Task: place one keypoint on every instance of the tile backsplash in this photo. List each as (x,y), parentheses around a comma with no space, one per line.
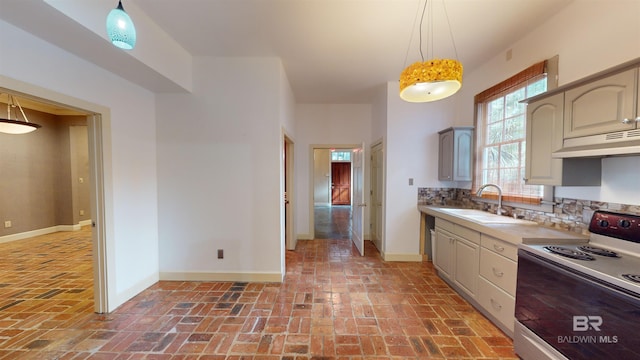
(568,214)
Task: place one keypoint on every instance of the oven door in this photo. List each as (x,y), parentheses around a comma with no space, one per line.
(579,316)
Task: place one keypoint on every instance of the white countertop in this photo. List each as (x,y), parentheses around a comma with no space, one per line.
(512,233)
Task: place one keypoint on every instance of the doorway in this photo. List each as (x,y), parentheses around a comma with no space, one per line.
(333,220)
(93,123)
(289,223)
(377,195)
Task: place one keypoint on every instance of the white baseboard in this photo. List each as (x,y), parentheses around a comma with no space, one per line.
(132,291)
(402,257)
(45,231)
(305,237)
(221,276)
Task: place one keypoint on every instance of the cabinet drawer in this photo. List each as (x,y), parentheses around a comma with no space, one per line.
(467,234)
(497,302)
(499,270)
(445,225)
(501,247)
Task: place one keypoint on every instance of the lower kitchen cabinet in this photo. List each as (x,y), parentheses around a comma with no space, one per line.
(466,270)
(499,270)
(457,255)
(500,305)
(443,254)
(481,268)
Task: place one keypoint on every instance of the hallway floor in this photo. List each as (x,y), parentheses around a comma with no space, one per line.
(332,221)
(333,304)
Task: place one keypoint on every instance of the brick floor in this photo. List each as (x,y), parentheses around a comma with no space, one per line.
(333,304)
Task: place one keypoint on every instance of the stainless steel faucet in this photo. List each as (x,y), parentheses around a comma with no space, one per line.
(479,192)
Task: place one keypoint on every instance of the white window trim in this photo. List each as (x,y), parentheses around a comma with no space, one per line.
(548,199)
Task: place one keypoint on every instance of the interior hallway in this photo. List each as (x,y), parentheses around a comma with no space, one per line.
(332,221)
(333,304)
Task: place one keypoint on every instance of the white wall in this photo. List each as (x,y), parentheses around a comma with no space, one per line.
(588,36)
(321,176)
(325,124)
(131,186)
(219,172)
(411,152)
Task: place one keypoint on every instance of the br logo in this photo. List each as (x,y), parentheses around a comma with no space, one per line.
(584,322)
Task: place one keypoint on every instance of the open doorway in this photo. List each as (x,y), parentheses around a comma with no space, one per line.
(78,134)
(332,191)
(289,223)
(377,196)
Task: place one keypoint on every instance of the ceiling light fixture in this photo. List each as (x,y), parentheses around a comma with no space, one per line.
(16,126)
(120,28)
(434,79)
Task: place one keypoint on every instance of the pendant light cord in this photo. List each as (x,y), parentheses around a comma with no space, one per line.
(455,50)
(415,21)
(430,31)
(424,8)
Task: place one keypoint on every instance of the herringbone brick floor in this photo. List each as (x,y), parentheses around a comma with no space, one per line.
(333,304)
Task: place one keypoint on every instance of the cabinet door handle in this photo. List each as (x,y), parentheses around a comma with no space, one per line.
(638,119)
(626,121)
(497,273)
(498,247)
(496,305)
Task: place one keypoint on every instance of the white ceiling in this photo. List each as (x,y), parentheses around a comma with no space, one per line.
(337,51)
(333,51)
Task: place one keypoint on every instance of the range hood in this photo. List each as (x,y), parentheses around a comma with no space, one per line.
(612,144)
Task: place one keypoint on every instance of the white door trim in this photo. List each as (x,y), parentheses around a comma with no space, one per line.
(99,133)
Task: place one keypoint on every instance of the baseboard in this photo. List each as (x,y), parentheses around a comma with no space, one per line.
(221,276)
(38,232)
(402,257)
(132,291)
(305,236)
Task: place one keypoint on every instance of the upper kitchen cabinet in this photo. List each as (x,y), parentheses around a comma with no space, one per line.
(602,106)
(455,154)
(544,136)
(545,122)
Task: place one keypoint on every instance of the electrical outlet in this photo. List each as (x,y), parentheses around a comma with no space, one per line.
(220,254)
(7,224)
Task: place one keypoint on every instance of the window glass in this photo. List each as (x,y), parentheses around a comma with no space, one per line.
(501,140)
(341,156)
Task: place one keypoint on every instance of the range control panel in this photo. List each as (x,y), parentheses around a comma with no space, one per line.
(621,226)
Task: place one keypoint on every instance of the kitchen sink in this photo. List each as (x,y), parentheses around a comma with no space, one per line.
(484,217)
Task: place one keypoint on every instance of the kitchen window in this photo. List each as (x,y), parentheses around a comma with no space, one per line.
(501,135)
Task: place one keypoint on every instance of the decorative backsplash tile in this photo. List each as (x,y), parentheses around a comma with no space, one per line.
(567,214)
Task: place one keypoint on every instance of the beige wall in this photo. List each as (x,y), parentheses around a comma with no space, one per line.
(321,176)
(36,187)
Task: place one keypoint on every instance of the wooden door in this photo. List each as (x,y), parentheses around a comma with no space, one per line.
(340,183)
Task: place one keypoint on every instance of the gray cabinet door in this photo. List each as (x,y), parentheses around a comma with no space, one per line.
(544,136)
(462,151)
(601,106)
(445,156)
(443,254)
(455,154)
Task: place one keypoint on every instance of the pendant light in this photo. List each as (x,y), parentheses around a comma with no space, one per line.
(434,79)
(120,28)
(16,126)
